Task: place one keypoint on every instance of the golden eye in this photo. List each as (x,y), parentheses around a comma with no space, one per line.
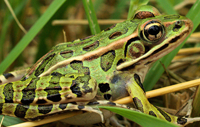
(152,31)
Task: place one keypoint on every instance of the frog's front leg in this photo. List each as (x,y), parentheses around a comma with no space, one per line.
(136,91)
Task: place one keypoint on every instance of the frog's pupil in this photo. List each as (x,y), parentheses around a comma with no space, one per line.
(154,30)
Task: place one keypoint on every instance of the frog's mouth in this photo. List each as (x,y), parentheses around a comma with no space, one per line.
(154,53)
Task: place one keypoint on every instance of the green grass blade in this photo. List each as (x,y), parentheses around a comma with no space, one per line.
(98,4)
(156,70)
(50,32)
(8,18)
(140,118)
(8,120)
(196,102)
(31,34)
(91,16)
(120,8)
(166,6)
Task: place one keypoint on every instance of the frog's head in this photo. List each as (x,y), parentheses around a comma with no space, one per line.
(157,36)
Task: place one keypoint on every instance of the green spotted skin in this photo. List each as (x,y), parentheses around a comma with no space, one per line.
(49,89)
(107,66)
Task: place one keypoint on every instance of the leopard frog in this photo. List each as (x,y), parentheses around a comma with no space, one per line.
(107,66)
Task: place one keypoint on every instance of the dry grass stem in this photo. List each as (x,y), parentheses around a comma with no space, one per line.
(162,91)
(14,16)
(84,22)
(189,51)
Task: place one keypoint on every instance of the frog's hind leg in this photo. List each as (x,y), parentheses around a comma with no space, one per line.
(138,95)
(36,112)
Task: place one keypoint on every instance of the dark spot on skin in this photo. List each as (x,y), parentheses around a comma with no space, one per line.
(24,79)
(120,61)
(137,79)
(66,54)
(104,87)
(56,74)
(0,81)
(29,92)
(130,67)
(54,88)
(160,49)
(88,90)
(78,65)
(167,117)
(112,103)
(1,107)
(75,87)
(8,75)
(81,107)
(152,113)
(44,109)
(109,28)
(73,103)
(93,103)
(20,110)
(86,37)
(138,104)
(115,35)
(91,46)
(107,96)
(175,39)
(107,60)
(76,44)
(147,48)
(71,76)
(62,106)
(41,101)
(143,15)
(181,120)
(54,97)
(43,64)
(8,92)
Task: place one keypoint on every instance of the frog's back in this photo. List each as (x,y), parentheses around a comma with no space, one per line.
(78,49)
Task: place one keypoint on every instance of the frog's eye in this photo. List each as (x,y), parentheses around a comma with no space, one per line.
(152,31)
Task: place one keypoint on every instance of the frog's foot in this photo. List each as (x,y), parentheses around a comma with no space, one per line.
(186,119)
